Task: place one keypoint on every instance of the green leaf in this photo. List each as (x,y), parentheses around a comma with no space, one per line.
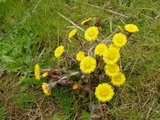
(30,81)
(7,59)
(57,118)
(64,97)
(85,115)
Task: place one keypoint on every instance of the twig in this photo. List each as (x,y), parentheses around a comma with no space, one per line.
(132,68)
(53,84)
(149,111)
(72,74)
(101,110)
(45,70)
(70,21)
(110,36)
(90,50)
(40,55)
(79,41)
(75,117)
(145,102)
(40,110)
(22,22)
(111,11)
(30,13)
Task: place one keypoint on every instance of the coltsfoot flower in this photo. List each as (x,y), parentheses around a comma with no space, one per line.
(104,92)
(91,33)
(118,80)
(75,86)
(88,64)
(72,33)
(111,56)
(45,74)
(59,51)
(119,39)
(131,28)
(112,46)
(111,69)
(37,71)
(86,21)
(80,55)
(46,89)
(100,49)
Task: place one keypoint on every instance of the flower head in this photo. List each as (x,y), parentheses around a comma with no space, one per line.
(119,39)
(131,28)
(80,55)
(72,33)
(37,71)
(75,86)
(46,89)
(59,51)
(91,33)
(111,56)
(118,80)
(111,70)
(112,46)
(100,49)
(88,64)
(86,21)
(45,74)
(104,92)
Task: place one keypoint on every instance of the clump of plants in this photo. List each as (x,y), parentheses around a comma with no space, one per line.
(97,61)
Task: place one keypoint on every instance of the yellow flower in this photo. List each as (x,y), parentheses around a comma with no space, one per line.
(45,74)
(85,21)
(118,80)
(131,28)
(100,49)
(37,71)
(111,56)
(75,86)
(104,92)
(119,39)
(88,64)
(72,33)
(46,89)
(112,46)
(91,33)
(59,51)
(111,70)
(80,55)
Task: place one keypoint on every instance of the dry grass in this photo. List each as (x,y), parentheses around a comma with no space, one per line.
(33,41)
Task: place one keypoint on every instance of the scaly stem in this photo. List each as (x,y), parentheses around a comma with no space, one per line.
(101,110)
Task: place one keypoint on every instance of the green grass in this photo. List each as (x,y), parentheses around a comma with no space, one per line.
(29,36)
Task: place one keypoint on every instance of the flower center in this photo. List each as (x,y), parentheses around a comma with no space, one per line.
(100,50)
(87,65)
(120,40)
(111,56)
(118,79)
(112,69)
(104,93)
(91,33)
